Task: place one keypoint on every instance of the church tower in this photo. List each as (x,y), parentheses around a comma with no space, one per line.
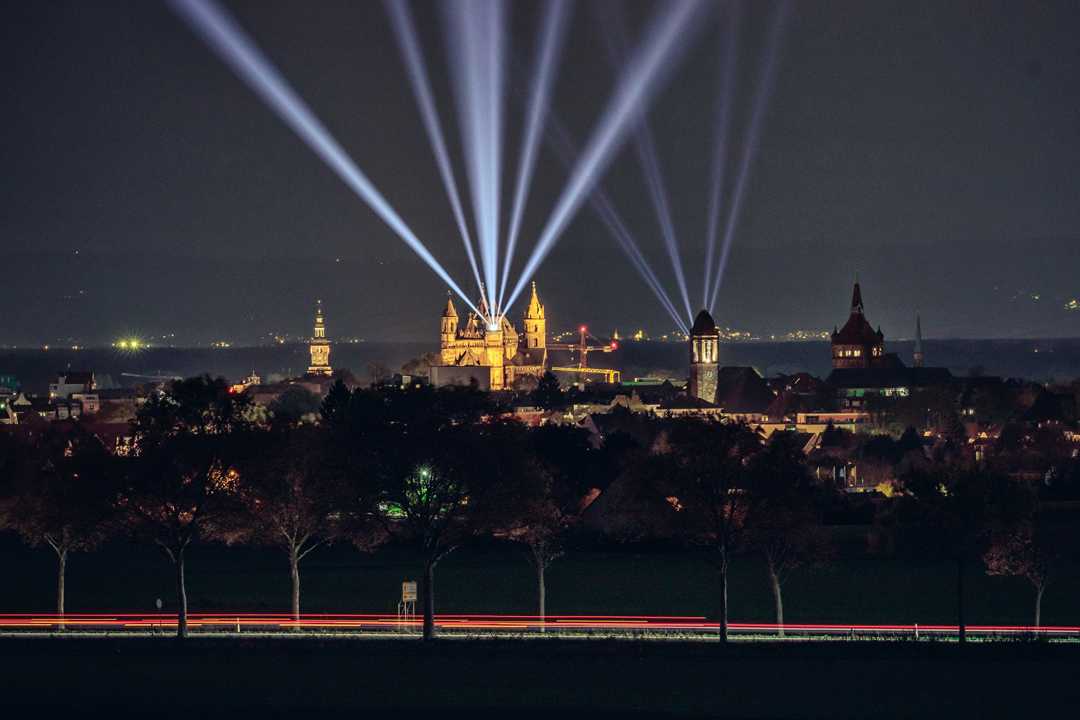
(857,344)
(704,358)
(448,328)
(535,323)
(319,346)
(917,356)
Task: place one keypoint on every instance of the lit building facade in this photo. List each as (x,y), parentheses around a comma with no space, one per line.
(319,346)
(493,356)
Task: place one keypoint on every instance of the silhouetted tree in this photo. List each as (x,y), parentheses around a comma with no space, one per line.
(426,499)
(62,496)
(295,405)
(948,508)
(783,521)
(538,491)
(1022,543)
(181,482)
(708,482)
(289,497)
(547,394)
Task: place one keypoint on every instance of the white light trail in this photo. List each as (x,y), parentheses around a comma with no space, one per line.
(556,15)
(666,34)
(413,56)
(476,32)
(559,139)
(724,100)
(229,41)
(613,26)
(761,100)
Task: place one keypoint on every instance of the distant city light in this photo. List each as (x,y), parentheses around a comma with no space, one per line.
(131,344)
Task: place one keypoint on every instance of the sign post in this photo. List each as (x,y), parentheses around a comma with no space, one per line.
(406,609)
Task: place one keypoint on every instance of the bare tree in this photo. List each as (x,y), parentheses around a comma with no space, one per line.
(707,481)
(289,497)
(181,483)
(62,496)
(783,520)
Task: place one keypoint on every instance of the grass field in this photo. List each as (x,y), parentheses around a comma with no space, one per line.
(497,578)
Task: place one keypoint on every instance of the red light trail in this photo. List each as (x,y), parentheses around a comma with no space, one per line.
(493,623)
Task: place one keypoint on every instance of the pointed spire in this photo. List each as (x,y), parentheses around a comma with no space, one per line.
(535,311)
(856,299)
(450,311)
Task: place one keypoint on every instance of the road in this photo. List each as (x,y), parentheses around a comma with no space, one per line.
(494,624)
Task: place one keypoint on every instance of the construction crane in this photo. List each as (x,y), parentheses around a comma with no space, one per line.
(583,348)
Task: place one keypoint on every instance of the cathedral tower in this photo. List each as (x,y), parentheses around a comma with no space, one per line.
(535,322)
(319,346)
(704,358)
(448,329)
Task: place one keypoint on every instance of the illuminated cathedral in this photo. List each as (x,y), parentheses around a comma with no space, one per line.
(495,357)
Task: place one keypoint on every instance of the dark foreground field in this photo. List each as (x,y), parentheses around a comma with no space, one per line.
(859,588)
(453,678)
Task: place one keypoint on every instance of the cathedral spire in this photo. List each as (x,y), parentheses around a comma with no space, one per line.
(450,311)
(535,311)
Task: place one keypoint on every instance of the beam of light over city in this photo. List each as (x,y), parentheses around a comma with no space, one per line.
(413,56)
(558,138)
(613,28)
(476,36)
(229,41)
(553,34)
(724,100)
(665,38)
(762,94)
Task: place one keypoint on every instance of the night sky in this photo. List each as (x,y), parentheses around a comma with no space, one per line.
(930,147)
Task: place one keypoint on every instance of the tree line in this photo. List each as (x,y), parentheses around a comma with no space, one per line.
(438,468)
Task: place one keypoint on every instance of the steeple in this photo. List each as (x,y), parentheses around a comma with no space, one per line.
(320,328)
(856,299)
(917,356)
(535,311)
(319,347)
(535,322)
(450,311)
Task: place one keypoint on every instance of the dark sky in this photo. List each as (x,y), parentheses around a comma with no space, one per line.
(931,147)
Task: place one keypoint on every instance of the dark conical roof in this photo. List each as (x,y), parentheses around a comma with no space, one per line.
(857,331)
(703,324)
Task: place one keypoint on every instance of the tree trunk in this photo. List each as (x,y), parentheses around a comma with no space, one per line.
(774,580)
(61,569)
(1038,605)
(181,596)
(723,594)
(541,591)
(961,627)
(429,601)
(294,573)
